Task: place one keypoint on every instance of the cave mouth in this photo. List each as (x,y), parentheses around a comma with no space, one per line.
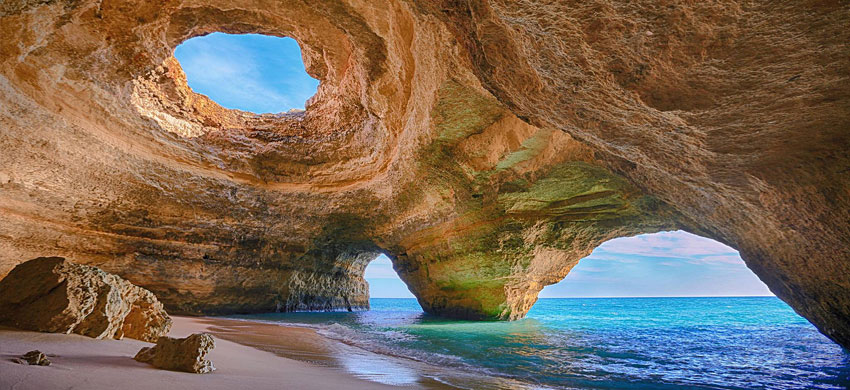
(248,72)
(664,264)
(384,282)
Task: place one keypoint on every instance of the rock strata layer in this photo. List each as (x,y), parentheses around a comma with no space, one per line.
(187,354)
(484,146)
(51,294)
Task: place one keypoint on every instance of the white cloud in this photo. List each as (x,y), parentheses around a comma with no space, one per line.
(678,244)
(660,264)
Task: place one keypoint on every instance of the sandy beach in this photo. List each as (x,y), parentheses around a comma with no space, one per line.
(80,362)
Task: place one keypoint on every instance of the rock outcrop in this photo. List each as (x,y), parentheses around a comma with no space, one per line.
(187,354)
(51,294)
(485,146)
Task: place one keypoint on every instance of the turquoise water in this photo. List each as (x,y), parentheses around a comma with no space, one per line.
(607,343)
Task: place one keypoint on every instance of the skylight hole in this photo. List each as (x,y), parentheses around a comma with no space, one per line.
(249,72)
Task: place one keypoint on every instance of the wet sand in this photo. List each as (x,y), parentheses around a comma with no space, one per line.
(305,345)
(266,356)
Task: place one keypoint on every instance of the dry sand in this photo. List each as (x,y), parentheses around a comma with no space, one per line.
(83,363)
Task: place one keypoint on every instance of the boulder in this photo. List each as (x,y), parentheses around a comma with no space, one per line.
(51,294)
(34,358)
(188,354)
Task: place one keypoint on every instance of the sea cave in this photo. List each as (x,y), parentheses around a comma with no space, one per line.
(482,148)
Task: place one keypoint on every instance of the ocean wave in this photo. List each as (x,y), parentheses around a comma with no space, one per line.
(447,369)
(372,342)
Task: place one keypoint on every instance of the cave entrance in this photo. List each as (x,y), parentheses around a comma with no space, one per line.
(384,282)
(248,72)
(665,264)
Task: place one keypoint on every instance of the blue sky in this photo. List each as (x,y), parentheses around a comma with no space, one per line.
(661,264)
(262,74)
(658,265)
(249,72)
(383,281)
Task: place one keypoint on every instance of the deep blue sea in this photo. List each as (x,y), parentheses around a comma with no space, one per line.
(594,343)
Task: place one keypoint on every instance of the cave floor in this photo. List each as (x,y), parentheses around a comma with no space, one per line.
(86,363)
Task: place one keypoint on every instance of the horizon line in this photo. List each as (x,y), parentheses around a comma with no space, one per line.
(641,296)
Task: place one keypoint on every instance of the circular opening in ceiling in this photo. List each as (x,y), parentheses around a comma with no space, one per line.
(248,72)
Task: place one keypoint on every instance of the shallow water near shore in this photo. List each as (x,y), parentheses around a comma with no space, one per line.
(593,343)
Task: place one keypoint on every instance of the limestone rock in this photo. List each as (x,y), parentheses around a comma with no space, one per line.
(51,294)
(34,358)
(484,146)
(188,354)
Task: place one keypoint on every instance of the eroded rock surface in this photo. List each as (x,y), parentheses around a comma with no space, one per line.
(187,354)
(51,294)
(485,146)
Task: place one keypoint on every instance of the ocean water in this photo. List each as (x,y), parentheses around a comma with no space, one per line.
(594,343)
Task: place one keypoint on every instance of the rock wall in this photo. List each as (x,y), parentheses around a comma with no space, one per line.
(484,146)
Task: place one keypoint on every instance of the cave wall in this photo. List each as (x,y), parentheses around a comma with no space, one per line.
(485,146)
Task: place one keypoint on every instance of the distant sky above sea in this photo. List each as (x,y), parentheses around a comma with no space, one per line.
(666,264)
(266,74)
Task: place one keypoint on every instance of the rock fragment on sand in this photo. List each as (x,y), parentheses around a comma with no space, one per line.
(34,358)
(188,354)
(51,294)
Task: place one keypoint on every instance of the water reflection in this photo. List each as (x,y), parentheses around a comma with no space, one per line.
(379,369)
